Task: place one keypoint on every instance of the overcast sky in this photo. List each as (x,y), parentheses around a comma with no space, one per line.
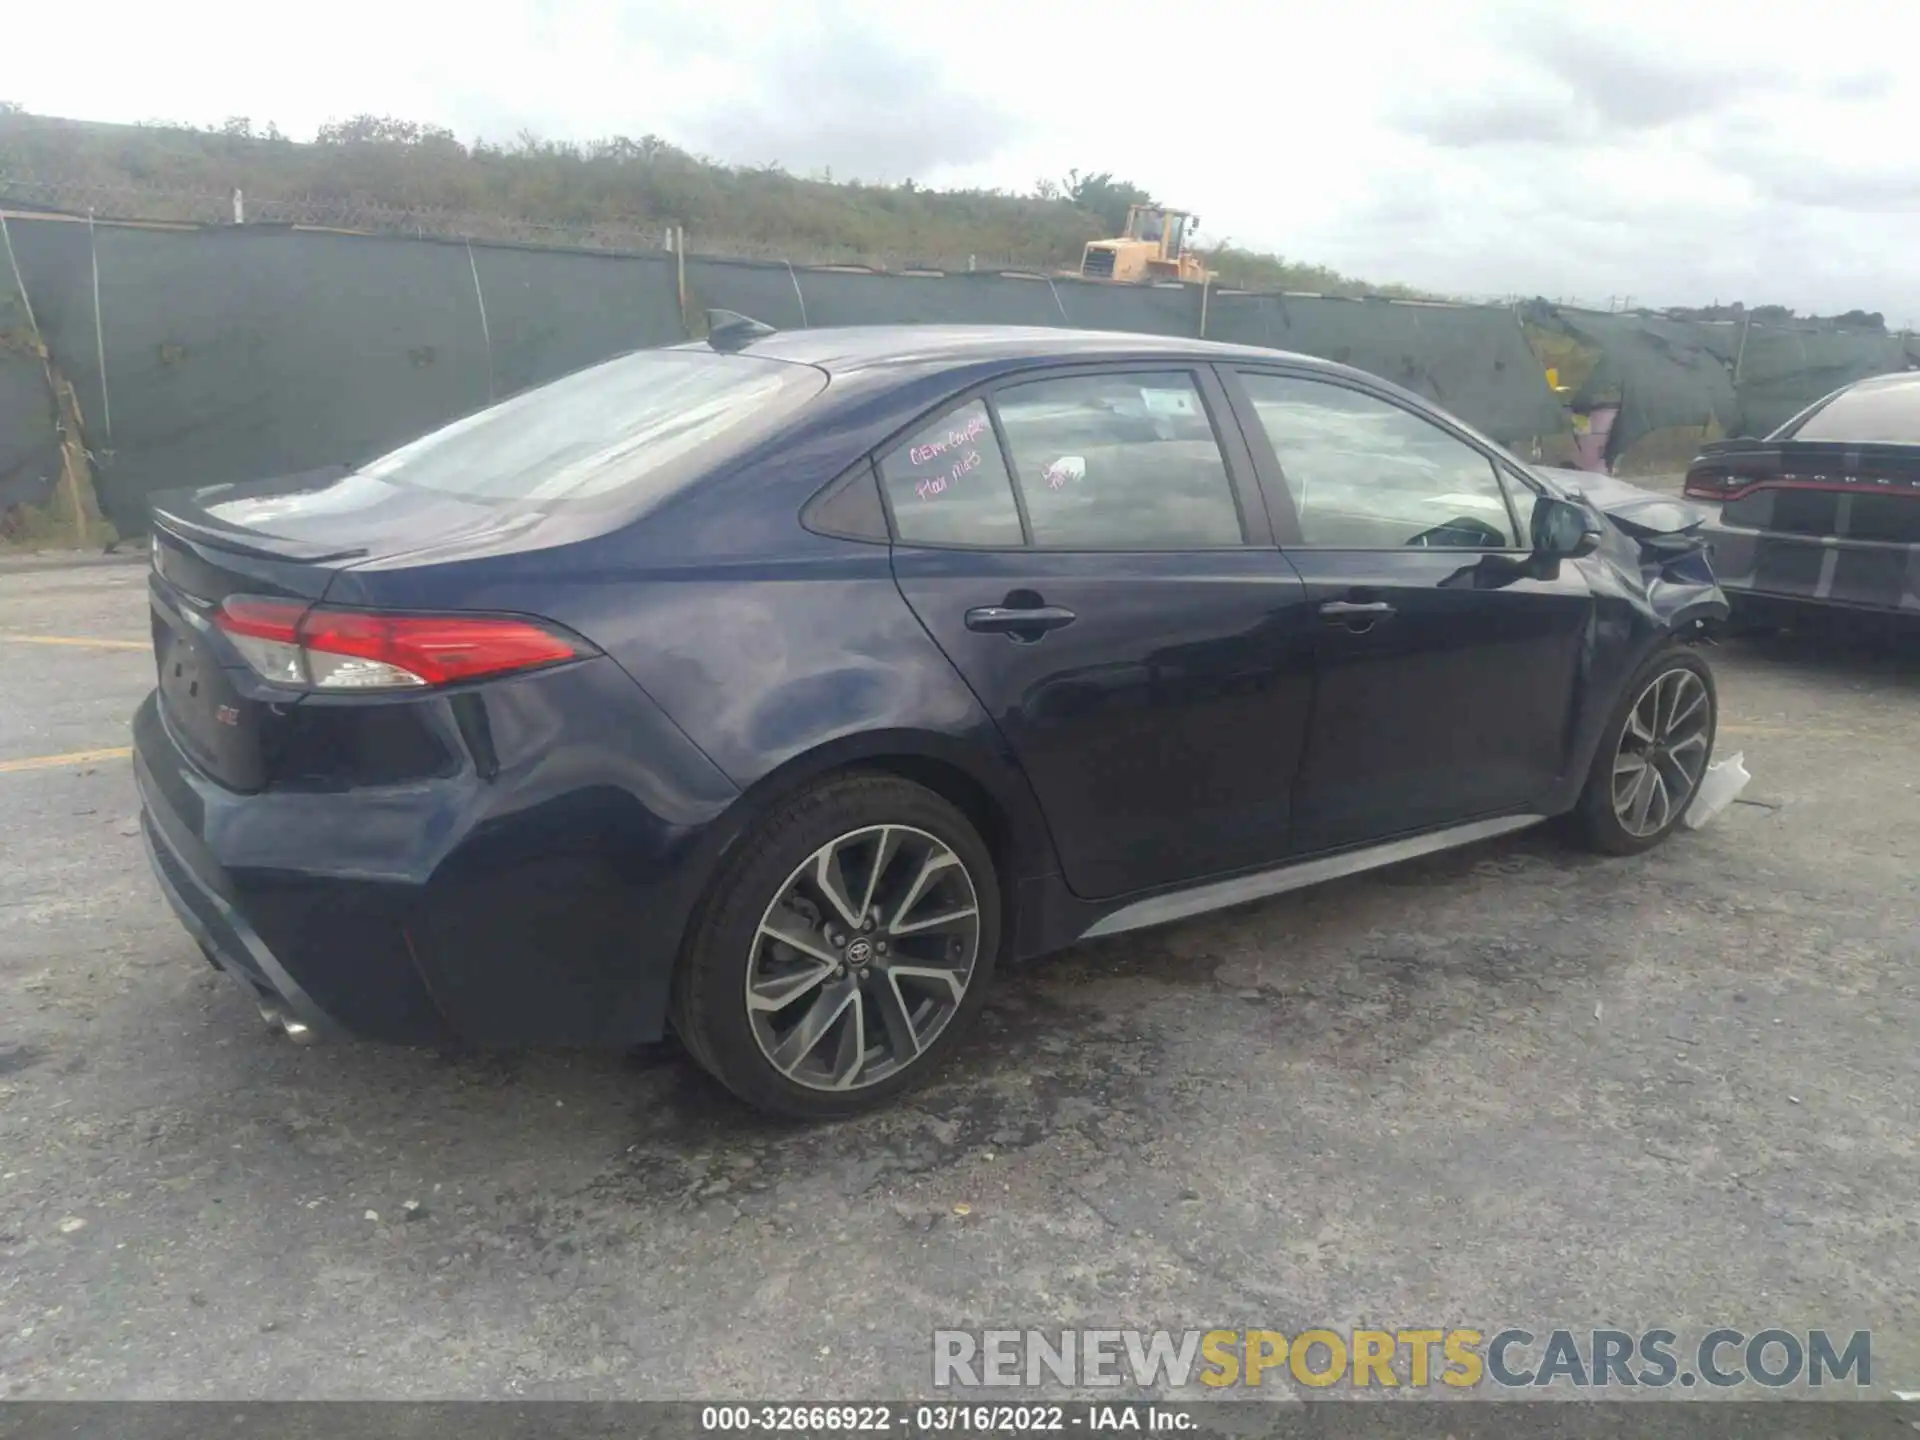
(1674,151)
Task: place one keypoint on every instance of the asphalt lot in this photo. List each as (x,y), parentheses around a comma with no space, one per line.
(1511,1085)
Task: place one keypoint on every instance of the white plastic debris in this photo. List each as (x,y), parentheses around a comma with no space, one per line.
(1719,788)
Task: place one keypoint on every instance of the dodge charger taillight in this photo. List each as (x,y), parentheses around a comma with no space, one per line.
(312,646)
(1715,485)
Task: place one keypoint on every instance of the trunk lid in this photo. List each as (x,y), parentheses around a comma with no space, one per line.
(292,537)
(293,534)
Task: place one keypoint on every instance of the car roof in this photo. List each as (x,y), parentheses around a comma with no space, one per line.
(841,350)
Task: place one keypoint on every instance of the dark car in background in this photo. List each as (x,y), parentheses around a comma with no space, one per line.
(1822,517)
(780,687)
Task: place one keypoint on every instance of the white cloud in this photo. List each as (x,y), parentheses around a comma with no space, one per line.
(1674,153)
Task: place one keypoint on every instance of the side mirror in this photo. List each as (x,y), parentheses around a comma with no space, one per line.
(1563,530)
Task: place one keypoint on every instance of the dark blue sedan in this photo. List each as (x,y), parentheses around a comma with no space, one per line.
(777,688)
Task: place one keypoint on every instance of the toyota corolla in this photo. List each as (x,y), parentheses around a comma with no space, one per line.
(778,688)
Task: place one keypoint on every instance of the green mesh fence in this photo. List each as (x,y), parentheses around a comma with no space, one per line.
(29,443)
(1663,373)
(29,435)
(1743,378)
(549,313)
(237,353)
(232,353)
(1473,360)
(1782,371)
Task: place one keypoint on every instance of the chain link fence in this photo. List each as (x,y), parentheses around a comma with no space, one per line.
(157,204)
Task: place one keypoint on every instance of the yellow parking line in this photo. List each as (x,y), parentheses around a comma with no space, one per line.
(72,757)
(1797,732)
(76,640)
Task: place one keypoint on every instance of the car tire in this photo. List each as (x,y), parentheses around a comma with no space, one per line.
(757,978)
(1608,818)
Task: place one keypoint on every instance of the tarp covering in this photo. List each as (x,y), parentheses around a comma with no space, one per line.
(29,443)
(1745,378)
(1665,372)
(1473,360)
(1782,371)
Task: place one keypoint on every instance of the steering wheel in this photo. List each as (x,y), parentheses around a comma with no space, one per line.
(1462,532)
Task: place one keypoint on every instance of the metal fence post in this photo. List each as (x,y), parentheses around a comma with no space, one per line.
(680,273)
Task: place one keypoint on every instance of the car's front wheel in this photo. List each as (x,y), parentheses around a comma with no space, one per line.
(843,950)
(1650,761)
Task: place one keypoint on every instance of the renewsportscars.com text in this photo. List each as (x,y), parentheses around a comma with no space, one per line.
(1416,1358)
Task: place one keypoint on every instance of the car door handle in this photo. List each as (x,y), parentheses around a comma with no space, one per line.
(1032,621)
(1344,610)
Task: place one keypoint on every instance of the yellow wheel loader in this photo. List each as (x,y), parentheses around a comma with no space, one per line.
(1154,248)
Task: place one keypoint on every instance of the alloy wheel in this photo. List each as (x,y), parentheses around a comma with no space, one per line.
(1662,752)
(863,958)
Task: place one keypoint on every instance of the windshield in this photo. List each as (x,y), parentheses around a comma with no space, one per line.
(635,427)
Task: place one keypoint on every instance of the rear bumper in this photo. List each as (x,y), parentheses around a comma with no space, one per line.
(326,951)
(539,903)
(225,938)
(1772,567)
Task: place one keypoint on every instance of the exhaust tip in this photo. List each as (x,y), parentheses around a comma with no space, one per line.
(278,1022)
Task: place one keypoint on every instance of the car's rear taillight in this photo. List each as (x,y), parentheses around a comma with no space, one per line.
(1712,484)
(291,643)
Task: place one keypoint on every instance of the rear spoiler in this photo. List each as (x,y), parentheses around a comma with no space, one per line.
(165,509)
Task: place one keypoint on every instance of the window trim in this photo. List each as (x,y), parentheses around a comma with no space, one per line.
(862,472)
(1273,477)
(1238,461)
(1013,476)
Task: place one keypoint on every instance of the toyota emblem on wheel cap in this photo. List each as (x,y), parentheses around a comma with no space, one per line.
(859,952)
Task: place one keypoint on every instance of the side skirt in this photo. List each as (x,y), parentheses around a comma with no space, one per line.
(1218,894)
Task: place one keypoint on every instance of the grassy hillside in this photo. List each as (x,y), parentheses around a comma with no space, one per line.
(375,173)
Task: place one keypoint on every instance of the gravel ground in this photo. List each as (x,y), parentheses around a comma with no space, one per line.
(1514,1084)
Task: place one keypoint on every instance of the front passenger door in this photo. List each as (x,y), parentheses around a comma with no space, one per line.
(1446,676)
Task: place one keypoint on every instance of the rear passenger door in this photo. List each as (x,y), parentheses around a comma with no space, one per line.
(1089,549)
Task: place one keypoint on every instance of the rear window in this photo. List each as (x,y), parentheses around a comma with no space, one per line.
(631,429)
(1874,412)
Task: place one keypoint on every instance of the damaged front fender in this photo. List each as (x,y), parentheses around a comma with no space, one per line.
(1655,546)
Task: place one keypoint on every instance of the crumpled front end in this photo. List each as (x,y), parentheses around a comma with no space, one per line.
(1667,543)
